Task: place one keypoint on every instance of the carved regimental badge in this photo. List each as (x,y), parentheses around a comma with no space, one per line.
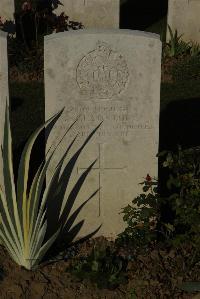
(102,73)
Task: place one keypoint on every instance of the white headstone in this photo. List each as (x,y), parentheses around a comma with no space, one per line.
(183,15)
(7,8)
(3,91)
(92,13)
(111,76)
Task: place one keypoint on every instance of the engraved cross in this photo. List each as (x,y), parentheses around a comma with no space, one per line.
(100,168)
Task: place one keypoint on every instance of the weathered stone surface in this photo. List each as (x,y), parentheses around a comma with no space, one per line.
(92,13)
(183,15)
(3,90)
(111,76)
(7,8)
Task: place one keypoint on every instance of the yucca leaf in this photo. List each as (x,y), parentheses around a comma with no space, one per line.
(38,216)
(170,32)
(90,235)
(73,194)
(64,179)
(35,191)
(9,185)
(35,195)
(48,189)
(44,198)
(34,235)
(73,160)
(39,184)
(54,206)
(54,181)
(67,131)
(23,172)
(10,222)
(22,221)
(38,181)
(41,210)
(74,215)
(4,214)
(9,240)
(45,247)
(40,238)
(71,163)
(9,248)
(74,231)
(175,36)
(63,240)
(59,165)
(10,245)
(30,203)
(7,165)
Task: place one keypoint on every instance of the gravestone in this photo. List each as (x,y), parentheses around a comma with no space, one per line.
(183,15)
(92,13)
(7,8)
(3,90)
(111,76)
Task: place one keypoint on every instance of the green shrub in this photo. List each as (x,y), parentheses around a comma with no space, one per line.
(175,47)
(143,217)
(184,199)
(103,266)
(33,20)
(195,49)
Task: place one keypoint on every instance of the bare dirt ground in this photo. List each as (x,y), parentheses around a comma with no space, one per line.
(154,274)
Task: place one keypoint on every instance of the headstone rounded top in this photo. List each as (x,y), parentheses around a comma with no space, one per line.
(103,31)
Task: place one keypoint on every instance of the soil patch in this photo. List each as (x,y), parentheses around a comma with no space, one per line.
(155,273)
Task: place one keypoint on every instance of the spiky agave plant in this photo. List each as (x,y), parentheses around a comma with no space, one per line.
(22,215)
(176,46)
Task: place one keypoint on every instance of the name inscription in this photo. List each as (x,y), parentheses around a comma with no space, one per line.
(119,120)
